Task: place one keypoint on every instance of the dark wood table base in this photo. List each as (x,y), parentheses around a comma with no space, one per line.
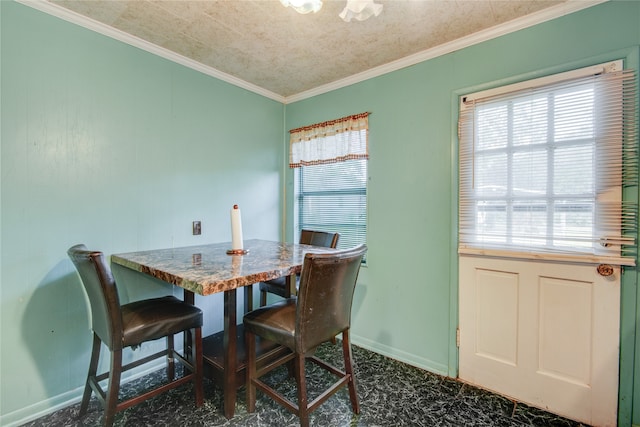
(229,373)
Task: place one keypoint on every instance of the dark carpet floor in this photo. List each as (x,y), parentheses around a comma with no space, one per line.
(391,393)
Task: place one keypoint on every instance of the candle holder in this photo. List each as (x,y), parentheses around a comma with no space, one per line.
(237,251)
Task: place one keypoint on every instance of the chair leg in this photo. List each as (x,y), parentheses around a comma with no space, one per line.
(348,368)
(291,368)
(251,370)
(93,368)
(263,298)
(199,369)
(113,387)
(171,364)
(301,381)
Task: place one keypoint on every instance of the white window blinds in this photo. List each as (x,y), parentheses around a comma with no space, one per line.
(543,166)
(333,197)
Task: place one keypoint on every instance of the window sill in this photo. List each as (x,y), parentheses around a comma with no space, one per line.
(532,256)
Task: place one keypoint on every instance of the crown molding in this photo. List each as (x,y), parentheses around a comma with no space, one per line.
(490,33)
(544,15)
(99,27)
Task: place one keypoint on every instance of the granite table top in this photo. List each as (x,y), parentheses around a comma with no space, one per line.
(207,269)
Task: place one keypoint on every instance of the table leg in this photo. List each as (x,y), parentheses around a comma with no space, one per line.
(230,346)
(189,350)
(290,283)
(248,298)
(189,297)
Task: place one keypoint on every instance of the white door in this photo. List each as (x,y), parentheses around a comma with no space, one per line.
(543,333)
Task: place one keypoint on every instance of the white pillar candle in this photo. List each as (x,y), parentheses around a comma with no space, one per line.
(236,228)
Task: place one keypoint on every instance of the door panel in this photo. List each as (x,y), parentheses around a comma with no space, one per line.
(543,333)
(497,332)
(570,304)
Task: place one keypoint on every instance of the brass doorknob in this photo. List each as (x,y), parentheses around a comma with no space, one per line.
(605,270)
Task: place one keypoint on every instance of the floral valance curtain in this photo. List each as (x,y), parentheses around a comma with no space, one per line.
(330,142)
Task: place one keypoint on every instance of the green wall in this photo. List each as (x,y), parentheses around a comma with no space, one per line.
(406,302)
(105,144)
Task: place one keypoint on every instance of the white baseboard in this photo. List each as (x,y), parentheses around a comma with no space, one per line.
(402,356)
(55,403)
(42,408)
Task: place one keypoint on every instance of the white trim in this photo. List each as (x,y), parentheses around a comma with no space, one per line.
(553,257)
(42,408)
(481,36)
(490,33)
(400,355)
(68,398)
(99,27)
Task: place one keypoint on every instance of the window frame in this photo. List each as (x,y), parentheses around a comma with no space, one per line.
(475,248)
(298,195)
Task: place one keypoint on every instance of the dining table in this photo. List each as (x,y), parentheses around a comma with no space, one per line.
(210,269)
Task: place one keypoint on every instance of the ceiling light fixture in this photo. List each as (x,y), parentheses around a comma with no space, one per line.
(303,6)
(360,10)
(355,9)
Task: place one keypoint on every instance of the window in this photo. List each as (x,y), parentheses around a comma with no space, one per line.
(543,164)
(333,197)
(331,177)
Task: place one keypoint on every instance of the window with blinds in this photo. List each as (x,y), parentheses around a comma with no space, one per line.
(333,197)
(544,165)
(330,159)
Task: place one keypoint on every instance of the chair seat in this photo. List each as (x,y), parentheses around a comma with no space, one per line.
(275,322)
(155,318)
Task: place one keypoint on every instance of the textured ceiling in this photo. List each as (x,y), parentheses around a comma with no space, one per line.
(281,51)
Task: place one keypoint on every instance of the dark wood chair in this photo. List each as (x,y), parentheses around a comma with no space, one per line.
(130,325)
(280,285)
(321,311)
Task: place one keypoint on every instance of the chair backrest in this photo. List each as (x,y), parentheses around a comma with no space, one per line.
(319,238)
(327,283)
(98,282)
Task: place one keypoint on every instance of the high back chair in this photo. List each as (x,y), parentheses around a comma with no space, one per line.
(321,311)
(130,325)
(307,237)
